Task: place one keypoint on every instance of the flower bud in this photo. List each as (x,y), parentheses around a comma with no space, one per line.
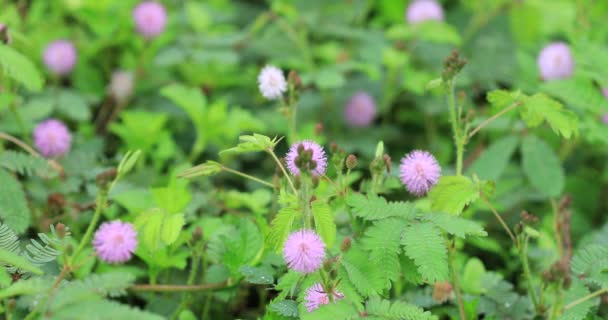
(61,230)
(105,178)
(442,291)
(5,36)
(351,161)
(294,79)
(197,235)
(346,244)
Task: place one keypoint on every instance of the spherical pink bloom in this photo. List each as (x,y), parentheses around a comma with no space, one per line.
(115,241)
(60,57)
(316,296)
(150,19)
(304,251)
(555,61)
(605,118)
(318,157)
(424,10)
(52,138)
(419,171)
(360,110)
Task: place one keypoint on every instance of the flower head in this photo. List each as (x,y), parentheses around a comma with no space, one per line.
(304,251)
(121,85)
(605,118)
(605,92)
(115,241)
(316,296)
(60,57)
(360,110)
(555,61)
(150,19)
(424,10)
(419,171)
(52,138)
(271,82)
(308,155)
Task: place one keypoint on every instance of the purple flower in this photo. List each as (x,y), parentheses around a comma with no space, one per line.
(60,57)
(316,296)
(272,83)
(150,19)
(115,241)
(52,138)
(423,10)
(419,172)
(306,154)
(555,61)
(360,110)
(304,251)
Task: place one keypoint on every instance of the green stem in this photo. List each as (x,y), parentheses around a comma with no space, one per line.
(455,283)
(196,260)
(102,199)
(456,131)
(523,254)
(244,175)
(208,296)
(276,159)
(177,287)
(305,201)
(494,117)
(585,298)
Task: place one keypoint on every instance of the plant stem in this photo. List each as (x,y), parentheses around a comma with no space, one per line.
(102,199)
(585,298)
(177,287)
(456,130)
(502,222)
(455,283)
(494,117)
(276,159)
(244,175)
(196,260)
(30,150)
(523,254)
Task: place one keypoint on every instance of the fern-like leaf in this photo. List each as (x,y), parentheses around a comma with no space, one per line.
(324,222)
(25,164)
(399,310)
(382,241)
(14,210)
(457,226)
(579,311)
(374,207)
(19,68)
(424,243)
(101,310)
(590,264)
(365,275)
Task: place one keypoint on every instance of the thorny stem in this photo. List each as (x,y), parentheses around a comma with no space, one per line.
(451,252)
(30,150)
(523,254)
(585,298)
(494,117)
(502,222)
(276,159)
(244,175)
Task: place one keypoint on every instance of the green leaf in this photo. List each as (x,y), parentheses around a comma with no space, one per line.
(105,309)
(324,222)
(382,241)
(193,102)
(367,276)
(254,143)
(26,164)
(172,226)
(385,309)
(493,161)
(208,168)
(287,308)
(580,93)
(19,68)
(540,107)
(425,244)
(158,228)
(174,198)
(5,277)
(452,194)
(501,99)
(542,166)
(374,207)
(590,263)
(472,275)
(340,310)
(432,31)
(14,210)
(242,246)
(12,259)
(71,104)
(258,275)
(27,287)
(579,311)
(283,222)
(457,226)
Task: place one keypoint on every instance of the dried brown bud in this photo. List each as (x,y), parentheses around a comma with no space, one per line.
(528,218)
(346,244)
(333,147)
(5,36)
(387,162)
(197,234)
(294,78)
(442,292)
(61,230)
(56,201)
(351,161)
(319,128)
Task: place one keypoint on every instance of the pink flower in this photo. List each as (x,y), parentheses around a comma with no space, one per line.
(60,57)
(52,138)
(605,118)
(306,154)
(424,10)
(555,62)
(115,241)
(316,296)
(419,171)
(360,110)
(605,92)
(304,251)
(121,86)
(150,19)
(272,83)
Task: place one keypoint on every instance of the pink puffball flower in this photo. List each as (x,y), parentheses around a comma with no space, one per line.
(304,251)
(424,10)
(272,83)
(316,297)
(555,61)
(60,57)
(121,86)
(360,110)
(150,19)
(115,241)
(605,118)
(318,157)
(419,171)
(52,138)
